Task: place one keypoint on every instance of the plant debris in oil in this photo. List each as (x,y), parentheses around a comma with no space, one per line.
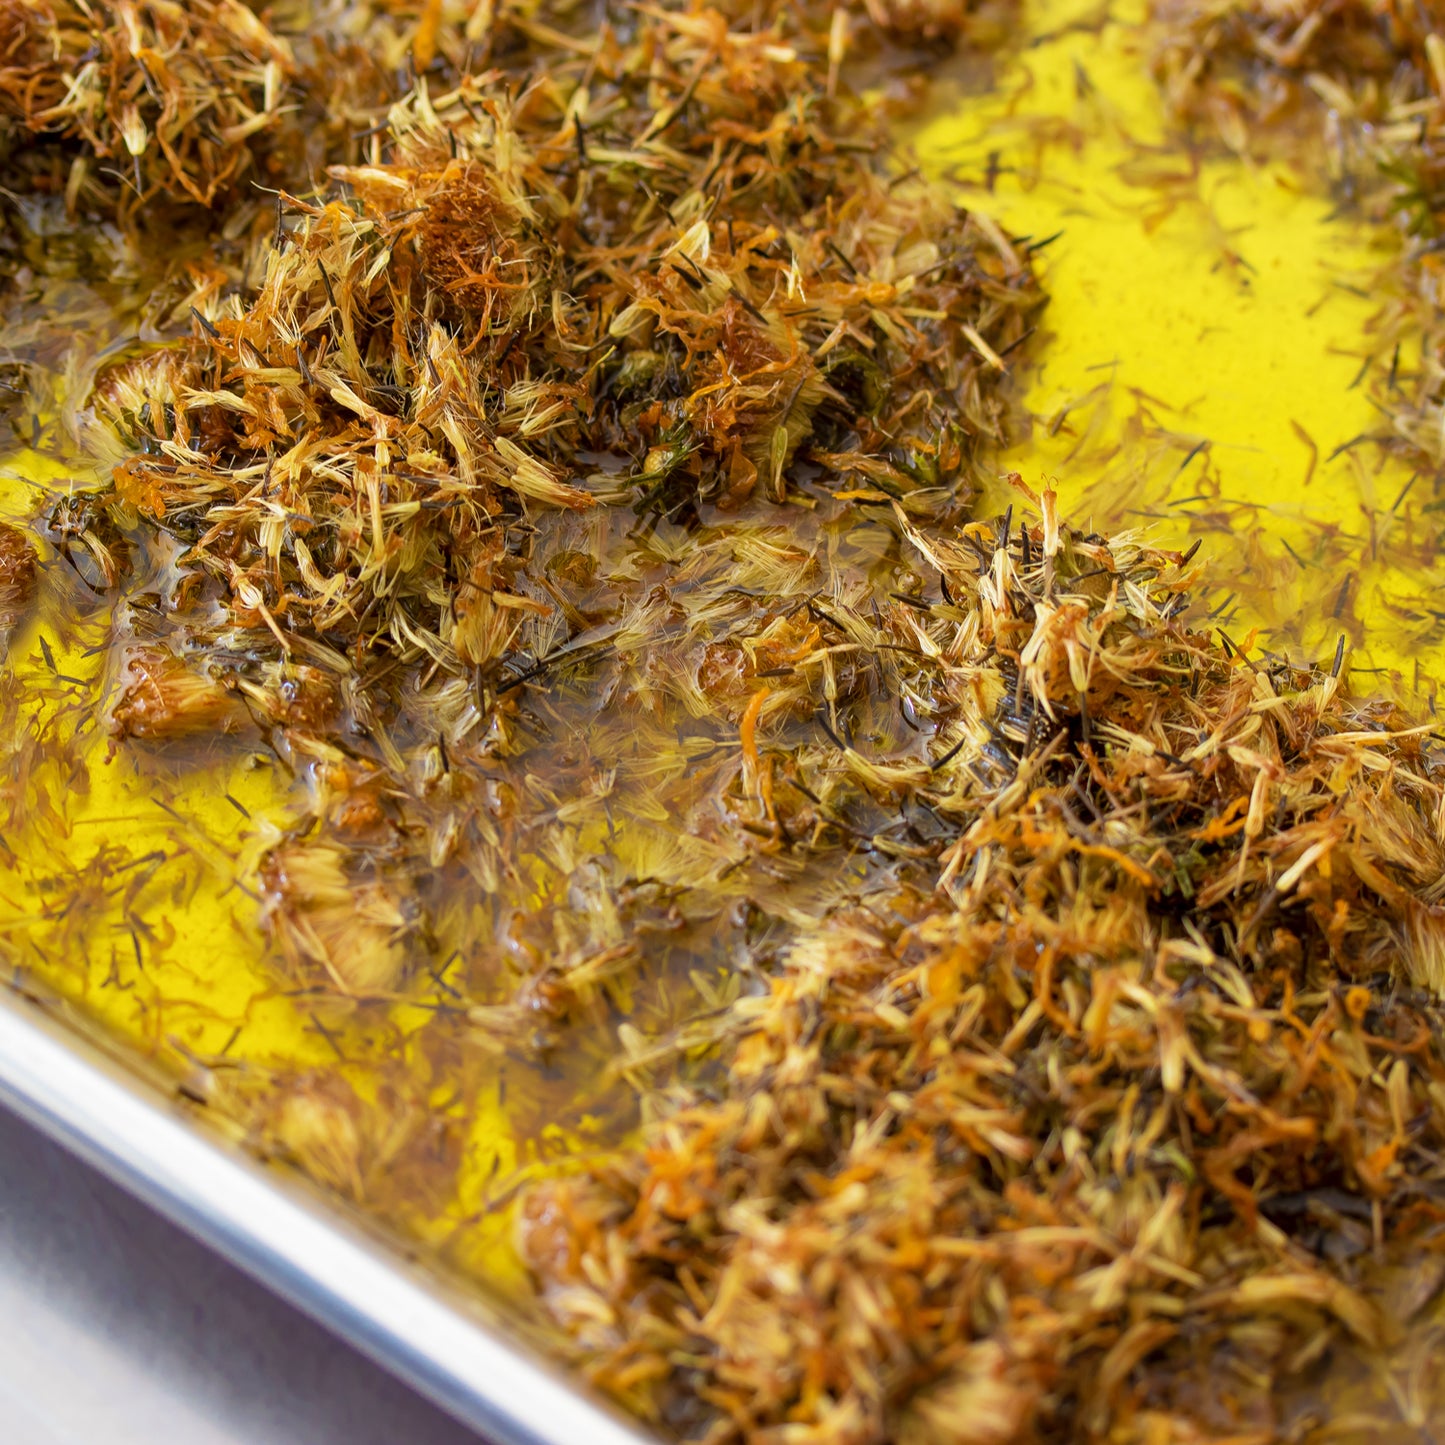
(1356,88)
(985,1007)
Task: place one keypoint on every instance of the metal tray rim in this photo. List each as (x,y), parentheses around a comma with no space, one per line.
(437,1340)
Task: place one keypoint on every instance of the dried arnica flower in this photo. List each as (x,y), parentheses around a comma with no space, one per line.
(172,97)
(1025,1144)
(1242,65)
(163,696)
(974,1006)
(922,19)
(591,294)
(337,920)
(86,536)
(316,1119)
(17,576)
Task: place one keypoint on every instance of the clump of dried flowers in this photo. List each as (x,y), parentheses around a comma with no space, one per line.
(168,98)
(1089,1122)
(671,274)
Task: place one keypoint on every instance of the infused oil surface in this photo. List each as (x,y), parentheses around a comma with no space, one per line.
(1194,373)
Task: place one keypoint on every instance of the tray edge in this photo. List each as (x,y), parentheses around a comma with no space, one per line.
(269,1226)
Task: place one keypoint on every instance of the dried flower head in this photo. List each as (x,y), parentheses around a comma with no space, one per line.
(588,295)
(163,696)
(172,97)
(17,576)
(336,920)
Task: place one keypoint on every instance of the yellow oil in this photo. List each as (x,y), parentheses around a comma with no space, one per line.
(1206,322)
(1202,303)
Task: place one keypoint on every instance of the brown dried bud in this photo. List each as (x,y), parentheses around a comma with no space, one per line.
(17,575)
(167,698)
(331,926)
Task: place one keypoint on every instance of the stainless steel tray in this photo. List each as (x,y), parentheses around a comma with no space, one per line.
(452,1348)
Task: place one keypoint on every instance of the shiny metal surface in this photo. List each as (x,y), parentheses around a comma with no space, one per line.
(117,1328)
(445,1348)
